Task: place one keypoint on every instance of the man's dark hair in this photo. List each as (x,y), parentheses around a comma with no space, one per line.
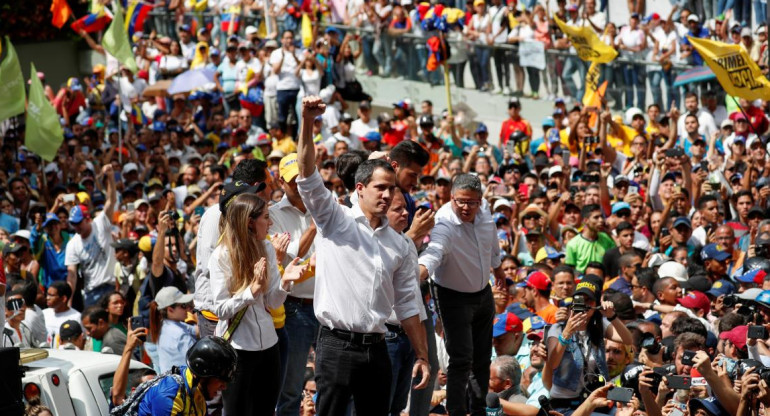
(744,192)
(537,193)
(704,199)
(730,321)
(626,259)
(623,226)
(563,268)
(693,115)
(250,171)
(408,152)
(660,284)
(624,306)
(28,290)
(690,341)
(366,170)
(220,171)
(347,164)
(688,325)
(96,313)
(588,210)
(690,94)
(597,265)
(647,277)
(653,105)
(429,102)
(62,288)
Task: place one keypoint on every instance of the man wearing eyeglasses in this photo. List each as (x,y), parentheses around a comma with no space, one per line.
(463,249)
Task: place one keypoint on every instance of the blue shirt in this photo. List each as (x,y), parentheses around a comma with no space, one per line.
(536,389)
(702,33)
(175,339)
(51,261)
(621,285)
(168,398)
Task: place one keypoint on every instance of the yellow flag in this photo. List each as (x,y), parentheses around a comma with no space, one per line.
(592,83)
(588,46)
(736,72)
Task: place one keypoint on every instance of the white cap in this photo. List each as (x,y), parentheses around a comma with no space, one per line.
(554,170)
(750,294)
(128,167)
(139,202)
(170,295)
(727,123)
(745,32)
(631,113)
(693,18)
(193,155)
(25,234)
(673,269)
(250,30)
(51,167)
(751,141)
(174,153)
(502,202)
(761,29)
(657,259)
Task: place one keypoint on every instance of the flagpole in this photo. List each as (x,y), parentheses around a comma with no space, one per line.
(447,85)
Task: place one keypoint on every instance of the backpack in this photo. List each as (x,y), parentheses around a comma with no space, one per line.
(130,407)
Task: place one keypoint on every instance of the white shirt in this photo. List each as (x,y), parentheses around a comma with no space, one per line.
(287,79)
(461,254)
(35,321)
(95,255)
(393,320)
(362,274)
(288,219)
(706,124)
(256,331)
(242,68)
(499,19)
(719,114)
(358,128)
(479,23)
(53,322)
(208,236)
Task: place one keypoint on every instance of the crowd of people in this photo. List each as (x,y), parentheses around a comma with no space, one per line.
(308,256)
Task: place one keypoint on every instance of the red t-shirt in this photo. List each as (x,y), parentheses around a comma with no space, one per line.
(510,126)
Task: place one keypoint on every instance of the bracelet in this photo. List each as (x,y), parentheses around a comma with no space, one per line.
(563,341)
(652,307)
(421,359)
(612,318)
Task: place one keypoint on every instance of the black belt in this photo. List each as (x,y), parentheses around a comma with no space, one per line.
(301,301)
(354,337)
(396,329)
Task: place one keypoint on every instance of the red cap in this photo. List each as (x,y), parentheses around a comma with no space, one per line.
(737,115)
(540,281)
(655,16)
(696,300)
(737,336)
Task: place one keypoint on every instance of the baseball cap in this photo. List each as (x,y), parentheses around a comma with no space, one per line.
(693,18)
(70,329)
(425,120)
(547,252)
(756,210)
(699,283)
(539,281)
(25,234)
(170,295)
(683,221)
(554,170)
(365,104)
(619,206)
(232,189)
(533,323)
(710,404)
(727,123)
(520,310)
(721,287)
(696,300)
(548,122)
(403,104)
(124,244)
(673,269)
(755,276)
(496,217)
(272,43)
(49,218)
(572,7)
(737,336)
(288,168)
(745,32)
(631,113)
(502,202)
(372,136)
(589,286)
(250,30)
(78,213)
(129,167)
(482,128)
(621,179)
(657,259)
(714,252)
(13,248)
(504,323)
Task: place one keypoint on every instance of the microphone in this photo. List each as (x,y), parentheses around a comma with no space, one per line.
(493,405)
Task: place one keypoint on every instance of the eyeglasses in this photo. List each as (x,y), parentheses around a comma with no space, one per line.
(244,116)
(531,217)
(470,203)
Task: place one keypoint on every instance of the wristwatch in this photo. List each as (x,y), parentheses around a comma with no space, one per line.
(652,306)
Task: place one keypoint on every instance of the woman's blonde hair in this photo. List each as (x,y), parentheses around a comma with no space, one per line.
(243,246)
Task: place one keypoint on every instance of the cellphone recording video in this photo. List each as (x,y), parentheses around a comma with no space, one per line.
(687,357)
(757,332)
(620,394)
(679,382)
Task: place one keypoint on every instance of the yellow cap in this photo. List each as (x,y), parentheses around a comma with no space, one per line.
(145,244)
(478,2)
(288,168)
(83,197)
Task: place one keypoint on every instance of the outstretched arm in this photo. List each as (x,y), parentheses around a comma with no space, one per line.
(312,106)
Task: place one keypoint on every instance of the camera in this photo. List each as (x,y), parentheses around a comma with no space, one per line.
(757,332)
(592,139)
(650,344)
(579,304)
(174,219)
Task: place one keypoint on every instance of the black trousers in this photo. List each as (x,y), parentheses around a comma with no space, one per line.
(257,383)
(344,369)
(467,320)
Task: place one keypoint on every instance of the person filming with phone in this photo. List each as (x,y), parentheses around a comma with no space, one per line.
(576,352)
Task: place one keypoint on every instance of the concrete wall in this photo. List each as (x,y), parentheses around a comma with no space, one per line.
(59,60)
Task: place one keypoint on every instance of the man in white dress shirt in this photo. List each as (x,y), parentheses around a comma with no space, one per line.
(363,273)
(463,250)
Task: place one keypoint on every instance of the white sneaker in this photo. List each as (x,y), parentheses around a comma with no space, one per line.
(499,91)
(506,91)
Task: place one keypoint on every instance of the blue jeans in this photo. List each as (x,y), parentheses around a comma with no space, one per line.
(95,295)
(633,77)
(401,362)
(367,46)
(419,403)
(287,100)
(401,57)
(742,11)
(760,12)
(283,351)
(384,55)
(480,66)
(302,324)
(657,97)
(723,5)
(572,65)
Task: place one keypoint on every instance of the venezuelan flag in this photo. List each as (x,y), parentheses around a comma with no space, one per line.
(137,116)
(136,14)
(92,22)
(233,16)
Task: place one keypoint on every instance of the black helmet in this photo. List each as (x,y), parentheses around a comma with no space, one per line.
(517,136)
(755,263)
(212,357)
(425,120)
